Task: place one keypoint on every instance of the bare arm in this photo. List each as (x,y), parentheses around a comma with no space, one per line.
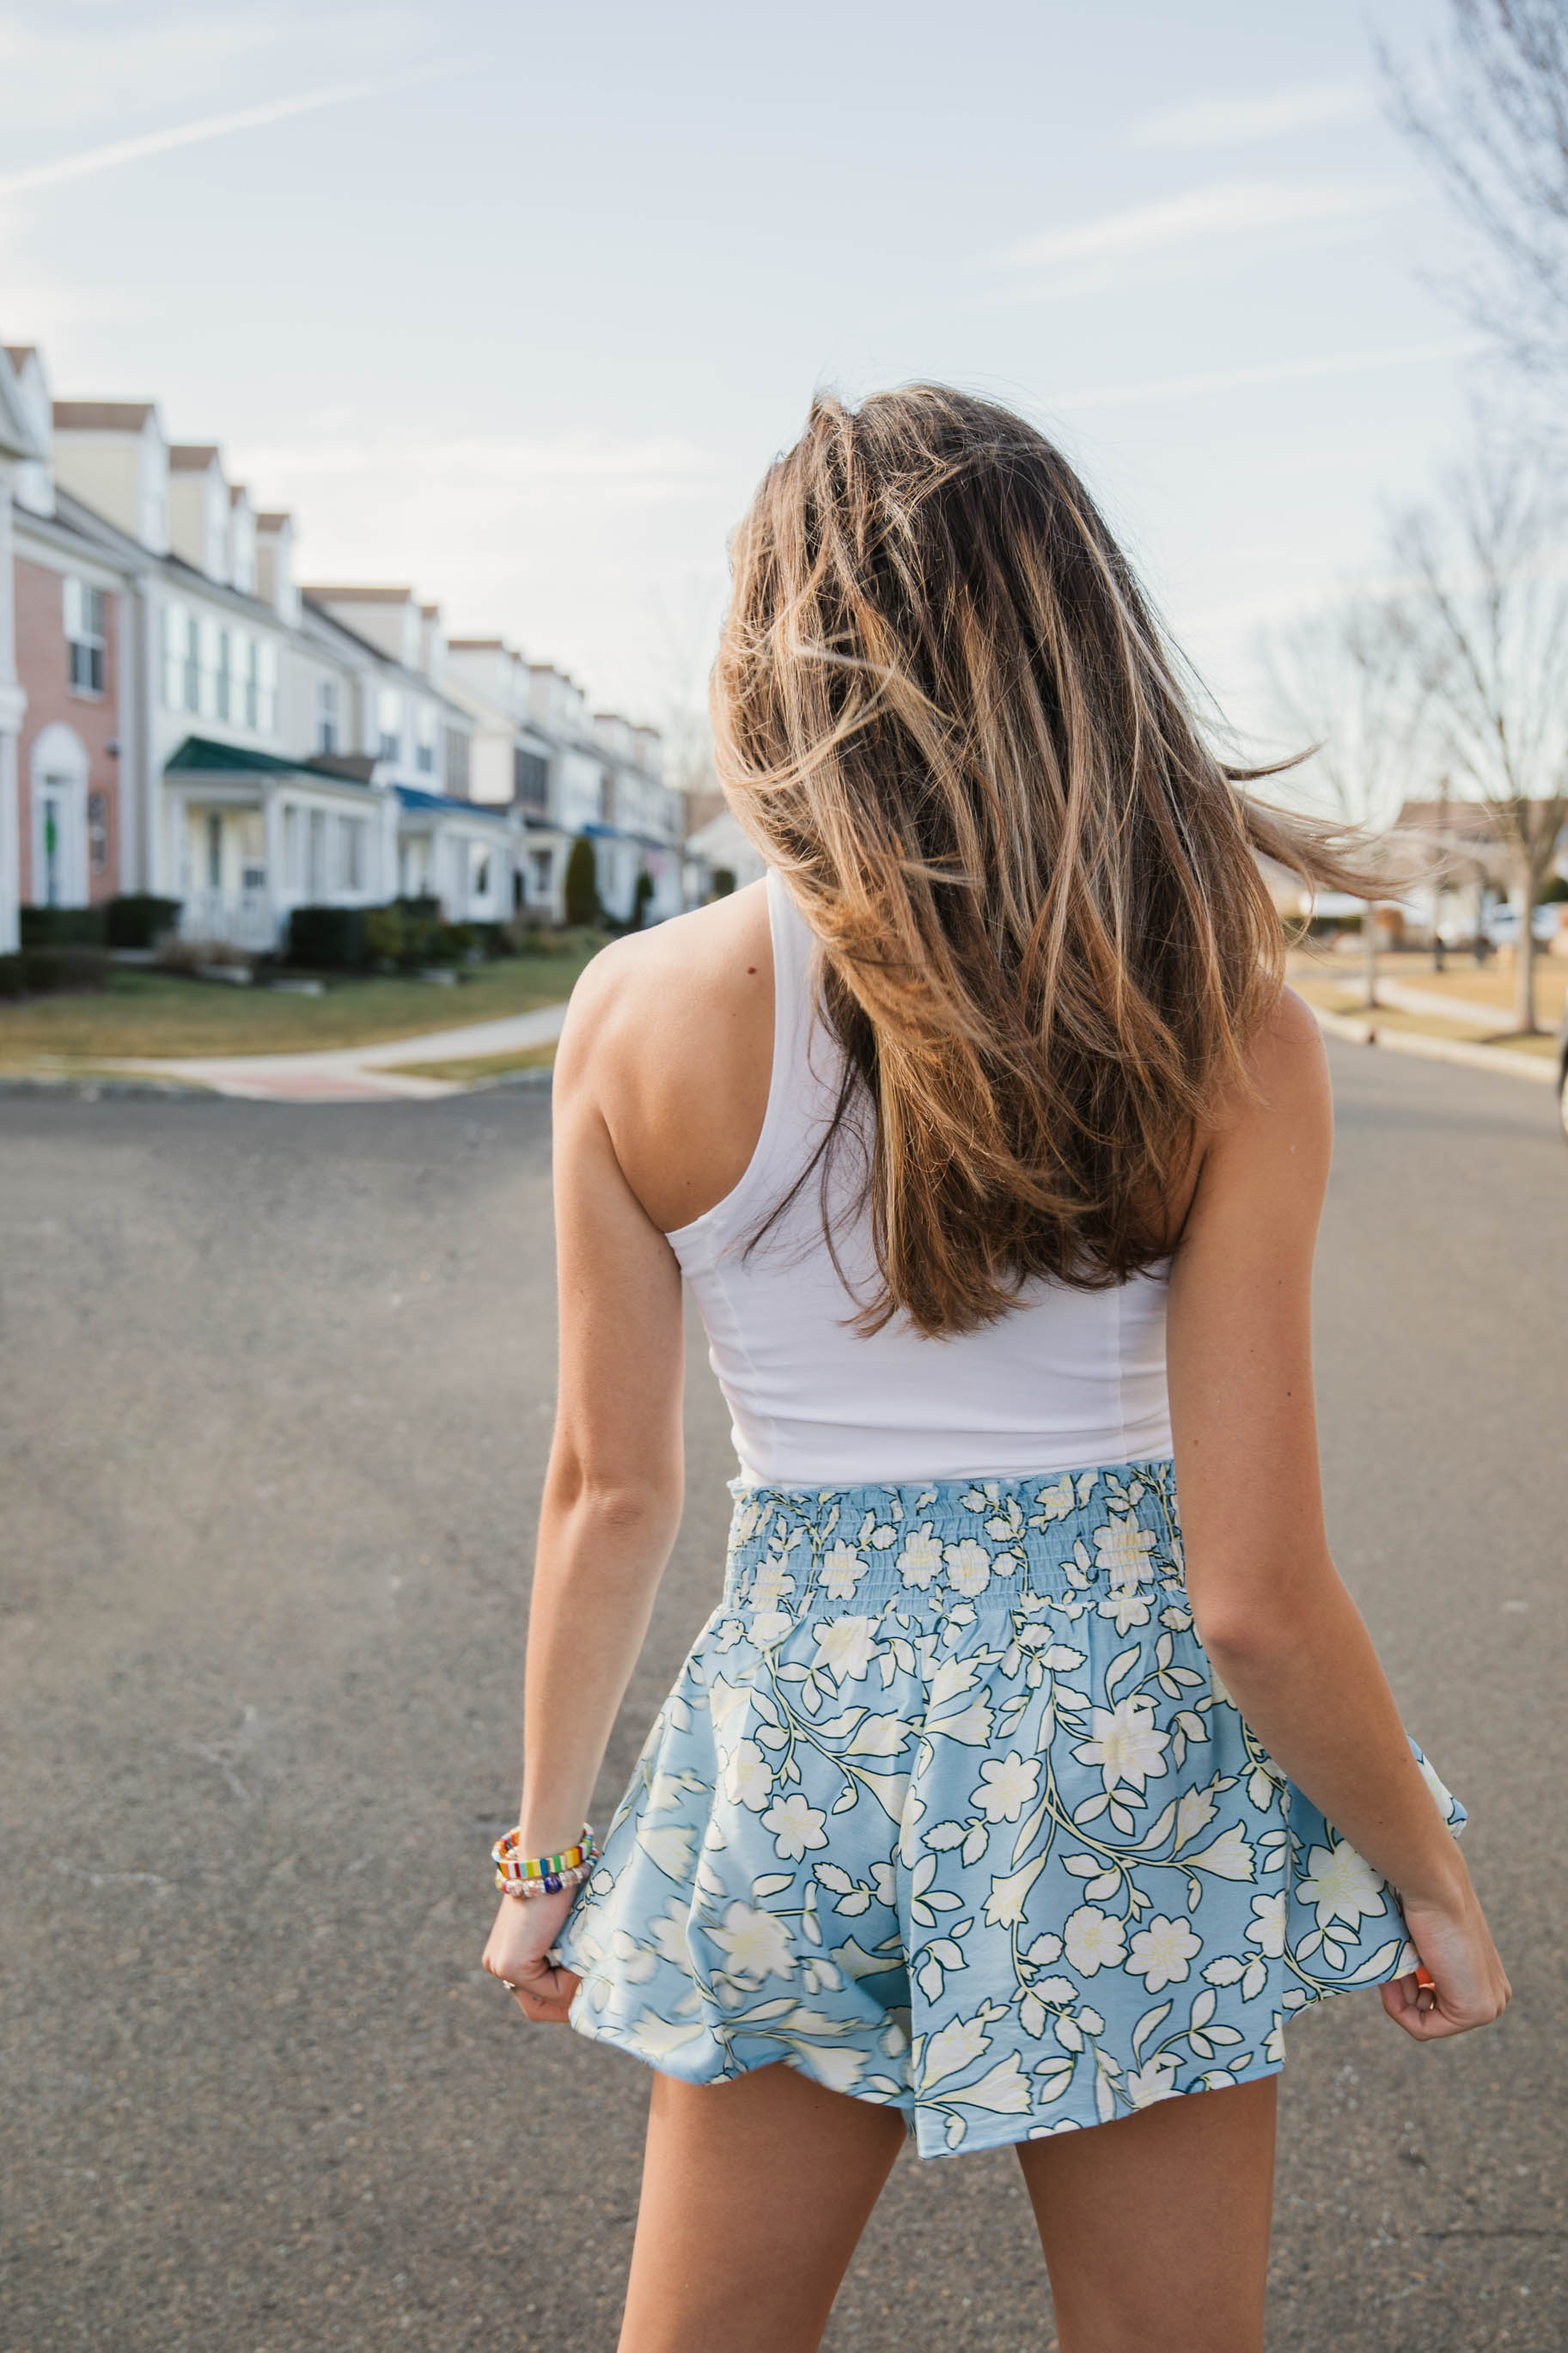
(613,1489)
(1282,1632)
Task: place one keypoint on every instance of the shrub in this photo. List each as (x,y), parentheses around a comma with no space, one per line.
(61,927)
(42,972)
(177,953)
(1552,891)
(329,939)
(641,899)
(723,881)
(582,883)
(139,920)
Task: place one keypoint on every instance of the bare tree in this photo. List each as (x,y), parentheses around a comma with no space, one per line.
(1491,117)
(1345,678)
(1484,604)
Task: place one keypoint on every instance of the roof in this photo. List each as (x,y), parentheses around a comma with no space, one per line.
(102,415)
(412,797)
(476,645)
(328,595)
(236,491)
(19,355)
(429,612)
(1455,816)
(201,755)
(192,457)
(273,519)
(357,766)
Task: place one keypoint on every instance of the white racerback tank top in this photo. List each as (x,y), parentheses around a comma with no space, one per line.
(1069,1380)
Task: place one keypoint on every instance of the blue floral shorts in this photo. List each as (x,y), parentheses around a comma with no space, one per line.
(949,1810)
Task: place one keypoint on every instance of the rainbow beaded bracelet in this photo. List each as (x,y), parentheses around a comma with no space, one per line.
(543,1874)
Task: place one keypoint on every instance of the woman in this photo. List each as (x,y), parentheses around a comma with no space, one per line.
(993,1800)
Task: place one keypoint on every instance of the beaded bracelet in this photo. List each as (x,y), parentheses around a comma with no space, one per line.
(543,1874)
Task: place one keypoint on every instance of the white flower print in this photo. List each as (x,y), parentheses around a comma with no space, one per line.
(968,1566)
(1160,1953)
(795,1826)
(757,1942)
(771,1585)
(1007,1785)
(1094,1940)
(842,1569)
(805,1867)
(1157,2081)
(1056,1502)
(748,1777)
(1267,1928)
(952,2048)
(1341,1885)
(1125,1607)
(1127,1744)
(921,1558)
(845,1645)
(1122,1549)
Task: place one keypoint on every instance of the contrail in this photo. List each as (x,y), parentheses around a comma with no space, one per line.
(213,126)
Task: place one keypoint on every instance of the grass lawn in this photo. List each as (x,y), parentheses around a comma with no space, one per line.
(1333,995)
(483,1066)
(1490,983)
(144,1014)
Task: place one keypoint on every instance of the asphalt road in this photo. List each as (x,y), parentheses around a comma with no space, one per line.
(277,1392)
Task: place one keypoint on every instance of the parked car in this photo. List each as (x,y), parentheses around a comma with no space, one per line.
(1501,925)
(1562,1071)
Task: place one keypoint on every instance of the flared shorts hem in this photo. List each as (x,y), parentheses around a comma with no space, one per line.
(949,1810)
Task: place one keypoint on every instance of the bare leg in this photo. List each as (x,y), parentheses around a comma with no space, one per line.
(1156,2228)
(753,2198)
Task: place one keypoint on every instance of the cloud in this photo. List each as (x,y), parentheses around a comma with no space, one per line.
(1234,122)
(90,160)
(1177,387)
(1226,208)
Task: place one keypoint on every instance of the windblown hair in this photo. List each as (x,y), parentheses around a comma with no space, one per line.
(944,711)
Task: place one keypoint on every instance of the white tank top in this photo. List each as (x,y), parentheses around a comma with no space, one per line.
(1069,1380)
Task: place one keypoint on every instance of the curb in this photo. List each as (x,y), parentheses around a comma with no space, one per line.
(1364,1031)
(84,1090)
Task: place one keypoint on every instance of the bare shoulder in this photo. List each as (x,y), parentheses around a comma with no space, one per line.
(669,1036)
(679,973)
(1271,1141)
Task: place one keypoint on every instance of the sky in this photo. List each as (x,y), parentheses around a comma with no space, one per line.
(516,303)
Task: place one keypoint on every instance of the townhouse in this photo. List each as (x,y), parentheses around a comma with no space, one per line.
(567,774)
(180,716)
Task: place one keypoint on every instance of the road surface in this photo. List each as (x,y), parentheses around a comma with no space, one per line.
(277,1396)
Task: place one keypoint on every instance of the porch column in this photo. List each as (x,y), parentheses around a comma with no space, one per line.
(272,859)
(12,709)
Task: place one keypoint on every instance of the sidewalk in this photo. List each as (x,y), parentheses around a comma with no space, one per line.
(357,1073)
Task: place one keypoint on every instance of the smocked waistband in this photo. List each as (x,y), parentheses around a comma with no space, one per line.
(960,1539)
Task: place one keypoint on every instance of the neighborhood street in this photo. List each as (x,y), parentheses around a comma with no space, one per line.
(278,1386)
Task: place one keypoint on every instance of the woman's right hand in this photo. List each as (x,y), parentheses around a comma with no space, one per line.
(1471,1986)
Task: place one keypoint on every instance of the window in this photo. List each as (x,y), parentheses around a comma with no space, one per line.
(457,763)
(480,871)
(351,853)
(425,737)
(316,858)
(266,658)
(208,663)
(226,702)
(327,714)
(291,847)
(84,616)
(606,796)
(181,659)
(389,720)
(214,851)
(98,832)
(530,778)
(542,864)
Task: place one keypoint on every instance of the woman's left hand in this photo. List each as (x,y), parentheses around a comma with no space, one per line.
(518,1953)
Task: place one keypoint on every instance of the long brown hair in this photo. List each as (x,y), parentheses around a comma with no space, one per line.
(943,710)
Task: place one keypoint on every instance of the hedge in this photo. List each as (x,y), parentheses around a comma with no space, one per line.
(42,972)
(329,939)
(61,927)
(139,920)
